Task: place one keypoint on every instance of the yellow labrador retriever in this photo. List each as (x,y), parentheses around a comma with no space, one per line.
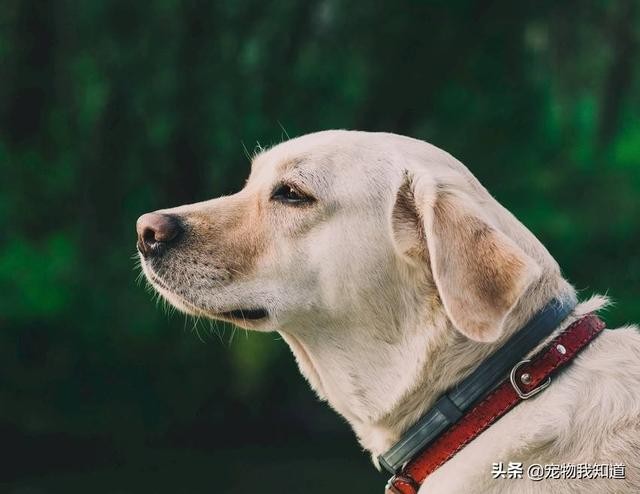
(392,274)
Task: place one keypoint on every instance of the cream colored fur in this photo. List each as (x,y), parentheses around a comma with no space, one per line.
(398,279)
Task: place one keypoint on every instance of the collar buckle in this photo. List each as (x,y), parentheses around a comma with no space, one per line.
(514,382)
(408,482)
(390,488)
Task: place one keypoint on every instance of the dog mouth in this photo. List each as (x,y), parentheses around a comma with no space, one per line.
(246,314)
(235,315)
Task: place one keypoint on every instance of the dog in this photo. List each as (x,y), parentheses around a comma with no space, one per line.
(392,273)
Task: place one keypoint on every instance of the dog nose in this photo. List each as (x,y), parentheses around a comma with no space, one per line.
(155,230)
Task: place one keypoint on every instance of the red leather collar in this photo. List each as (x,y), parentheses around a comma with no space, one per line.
(527,378)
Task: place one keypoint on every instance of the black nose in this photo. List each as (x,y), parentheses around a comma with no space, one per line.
(156,230)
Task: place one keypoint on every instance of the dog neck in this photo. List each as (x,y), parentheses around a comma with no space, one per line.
(382,376)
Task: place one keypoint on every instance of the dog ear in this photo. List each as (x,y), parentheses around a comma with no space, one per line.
(479,272)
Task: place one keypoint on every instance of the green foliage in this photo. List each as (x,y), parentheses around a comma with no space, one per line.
(109,109)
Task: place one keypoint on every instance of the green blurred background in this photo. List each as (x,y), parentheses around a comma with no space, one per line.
(109,109)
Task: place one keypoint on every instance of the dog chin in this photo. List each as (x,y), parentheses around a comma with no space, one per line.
(178,302)
(161,287)
(181,304)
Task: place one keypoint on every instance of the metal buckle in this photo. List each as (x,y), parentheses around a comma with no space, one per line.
(390,488)
(534,391)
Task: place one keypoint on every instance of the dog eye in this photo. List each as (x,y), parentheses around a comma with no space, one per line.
(287,194)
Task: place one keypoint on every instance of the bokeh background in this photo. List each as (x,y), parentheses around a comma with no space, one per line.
(109,109)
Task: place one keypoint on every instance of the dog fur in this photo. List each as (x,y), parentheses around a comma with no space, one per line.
(396,277)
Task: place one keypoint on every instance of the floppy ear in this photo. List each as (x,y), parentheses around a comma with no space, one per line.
(479,272)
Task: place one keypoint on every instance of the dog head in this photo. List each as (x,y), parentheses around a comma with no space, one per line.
(336,226)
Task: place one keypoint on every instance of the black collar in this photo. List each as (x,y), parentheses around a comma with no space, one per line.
(452,405)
